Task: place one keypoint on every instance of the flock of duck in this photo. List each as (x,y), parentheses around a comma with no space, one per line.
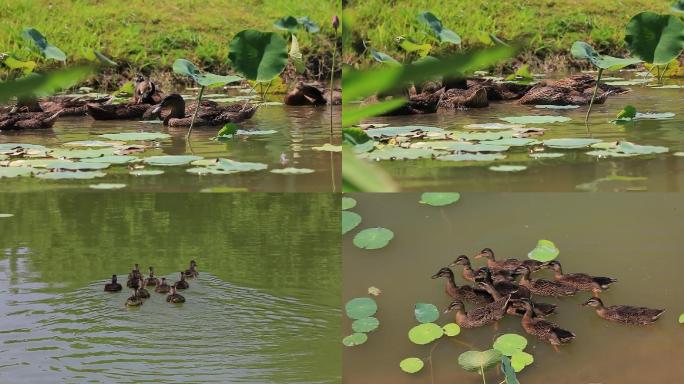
(148,103)
(137,283)
(497,293)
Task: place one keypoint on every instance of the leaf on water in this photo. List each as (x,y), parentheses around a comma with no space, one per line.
(654,116)
(520,360)
(535,119)
(6,215)
(372,125)
(570,143)
(170,160)
(493,126)
(473,157)
(118,159)
(460,146)
(75,165)
(411,365)
(292,171)
(451,329)
(348,202)
(628,112)
(546,155)
(365,325)
(626,83)
(355,339)
(238,166)
(439,199)
(7,172)
(259,56)
(80,175)
(327,147)
(511,142)
(81,153)
(360,307)
(544,106)
(373,238)
(146,172)
(350,220)
(398,153)
(375,291)
(410,130)
(507,168)
(425,333)
(242,132)
(479,360)
(136,136)
(545,251)
(426,313)
(91,143)
(107,186)
(510,343)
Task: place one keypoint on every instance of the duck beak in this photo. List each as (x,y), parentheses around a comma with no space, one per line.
(452,264)
(479,255)
(436,275)
(446,311)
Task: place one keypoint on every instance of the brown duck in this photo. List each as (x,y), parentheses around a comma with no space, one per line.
(418,104)
(68,106)
(209,114)
(581,281)
(162,286)
(480,316)
(515,306)
(113,286)
(146,95)
(509,265)
(304,94)
(625,314)
(544,329)
(473,97)
(465,292)
(575,90)
(543,287)
(27,120)
(192,271)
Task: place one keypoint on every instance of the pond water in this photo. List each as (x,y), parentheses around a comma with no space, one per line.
(575,171)
(634,238)
(298,131)
(265,307)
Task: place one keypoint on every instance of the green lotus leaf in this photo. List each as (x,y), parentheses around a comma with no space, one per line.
(327,147)
(479,360)
(7,172)
(47,50)
(205,79)
(81,153)
(425,333)
(535,119)
(570,143)
(118,159)
(409,130)
(411,365)
(136,136)
(472,157)
(146,172)
(439,199)
(355,339)
(292,171)
(544,251)
(350,220)
(426,313)
(398,153)
(656,39)
(373,238)
(6,215)
(360,308)
(259,56)
(383,57)
(546,155)
(107,186)
(451,329)
(507,168)
(365,325)
(169,160)
(75,165)
(510,343)
(493,126)
(444,35)
(520,360)
(582,50)
(348,202)
(544,106)
(80,175)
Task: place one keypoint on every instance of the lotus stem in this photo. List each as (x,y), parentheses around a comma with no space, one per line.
(194,115)
(332,76)
(662,74)
(591,102)
(484,379)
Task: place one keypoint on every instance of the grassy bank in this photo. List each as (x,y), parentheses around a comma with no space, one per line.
(549,27)
(150,34)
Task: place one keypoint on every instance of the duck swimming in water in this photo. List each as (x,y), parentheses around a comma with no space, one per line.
(575,90)
(544,329)
(304,94)
(142,292)
(146,95)
(134,277)
(162,286)
(209,114)
(13,121)
(192,271)
(174,297)
(113,286)
(151,280)
(182,283)
(134,300)
(625,314)
(581,281)
(464,292)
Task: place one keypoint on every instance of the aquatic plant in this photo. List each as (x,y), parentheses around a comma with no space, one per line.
(373,238)
(46,49)
(290,23)
(362,311)
(656,39)
(42,84)
(444,35)
(439,199)
(582,50)
(545,250)
(335,25)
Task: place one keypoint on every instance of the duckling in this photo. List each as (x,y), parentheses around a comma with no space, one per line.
(146,91)
(543,287)
(174,297)
(27,120)
(515,306)
(210,113)
(625,314)
(134,277)
(113,286)
(581,281)
(544,329)
(474,97)
(480,316)
(304,94)
(509,265)
(192,271)
(468,273)
(162,286)
(182,283)
(134,300)
(142,292)
(151,280)
(465,292)
(504,286)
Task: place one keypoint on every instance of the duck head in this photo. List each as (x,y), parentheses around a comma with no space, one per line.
(113,278)
(487,252)
(176,105)
(443,272)
(454,305)
(593,302)
(461,260)
(554,265)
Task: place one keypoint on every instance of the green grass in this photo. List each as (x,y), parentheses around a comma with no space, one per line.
(549,27)
(153,33)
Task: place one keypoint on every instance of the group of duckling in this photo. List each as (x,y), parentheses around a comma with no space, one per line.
(506,287)
(148,103)
(137,282)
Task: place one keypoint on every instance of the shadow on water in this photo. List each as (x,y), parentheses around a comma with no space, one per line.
(264,309)
(634,238)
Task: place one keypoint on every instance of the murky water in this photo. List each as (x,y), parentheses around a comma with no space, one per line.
(264,309)
(575,171)
(299,129)
(634,238)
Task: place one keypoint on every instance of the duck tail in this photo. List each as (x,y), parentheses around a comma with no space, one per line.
(563,335)
(604,282)
(658,314)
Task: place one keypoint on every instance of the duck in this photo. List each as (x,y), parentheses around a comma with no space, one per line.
(182,283)
(134,300)
(192,271)
(151,280)
(162,286)
(174,297)
(142,292)
(497,91)
(468,273)
(113,286)
(418,104)
(146,95)
(574,90)
(134,277)
(209,114)
(515,306)
(543,329)
(473,97)
(502,285)
(67,105)
(480,316)
(581,281)
(509,265)
(305,94)
(146,91)
(543,287)
(14,121)
(465,292)
(625,314)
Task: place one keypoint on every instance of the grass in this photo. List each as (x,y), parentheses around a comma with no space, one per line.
(150,34)
(548,27)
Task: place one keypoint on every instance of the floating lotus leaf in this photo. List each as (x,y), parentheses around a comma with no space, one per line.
(439,199)
(91,143)
(546,155)
(355,339)
(146,172)
(680,154)
(631,148)
(348,202)
(545,251)
(292,171)
(461,146)
(241,132)
(520,360)
(360,307)
(510,343)
(107,186)
(484,136)
(7,172)
(168,160)
(350,220)
(119,159)
(75,165)
(582,50)
(209,171)
(327,147)
(411,365)
(397,153)
(237,166)
(136,136)
(451,329)
(365,325)
(608,153)
(507,168)
(473,157)
(656,39)
(627,83)
(511,142)
(543,106)
(373,125)
(80,175)
(409,130)
(373,238)
(425,333)
(479,361)
(681,318)
(6,215)
(81,153)
(426,313)
(35,163)
(493,126)
(535,119)
(654,116)
(669,86)
(570,143)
